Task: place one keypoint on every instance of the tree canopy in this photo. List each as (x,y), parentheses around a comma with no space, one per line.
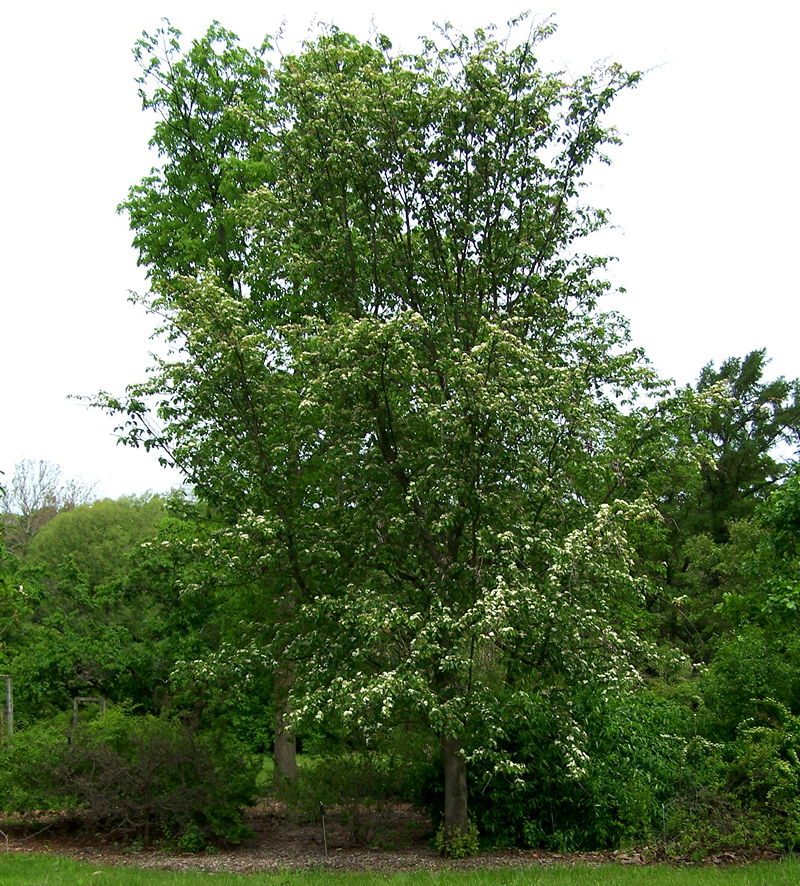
(98,538)
(34,495)
(409,400)
(744,430)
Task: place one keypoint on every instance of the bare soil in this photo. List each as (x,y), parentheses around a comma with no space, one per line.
(387,840)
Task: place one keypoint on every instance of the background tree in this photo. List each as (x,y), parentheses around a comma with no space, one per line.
(759,567)
(70,634)
(96,539)
(35,494)
(744,432)
(12,603)
(747,435)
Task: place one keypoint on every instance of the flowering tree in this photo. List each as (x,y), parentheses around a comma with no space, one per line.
(431,440)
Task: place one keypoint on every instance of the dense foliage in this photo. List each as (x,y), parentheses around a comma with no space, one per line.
(447,526)
(138,777)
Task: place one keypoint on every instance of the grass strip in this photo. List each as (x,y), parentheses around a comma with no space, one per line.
(50,870)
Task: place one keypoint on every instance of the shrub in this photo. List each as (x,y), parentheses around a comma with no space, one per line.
(745,792)
(749,665)
(363,787)
(142,777)
(634,747)
(27,760)
(457,842)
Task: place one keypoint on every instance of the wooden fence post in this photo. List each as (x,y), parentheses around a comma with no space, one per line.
(9,711)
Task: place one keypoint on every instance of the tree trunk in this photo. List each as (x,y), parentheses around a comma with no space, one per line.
(284,744)
(456,816)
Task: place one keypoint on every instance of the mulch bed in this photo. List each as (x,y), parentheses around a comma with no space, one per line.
(388,840)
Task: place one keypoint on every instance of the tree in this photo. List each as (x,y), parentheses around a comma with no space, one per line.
(35,495)
(12,605)
(210,148)
(96,538)
(412,411)
(741,433)
(71,630)
(758,569)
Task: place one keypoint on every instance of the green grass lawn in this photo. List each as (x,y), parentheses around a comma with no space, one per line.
(48,870)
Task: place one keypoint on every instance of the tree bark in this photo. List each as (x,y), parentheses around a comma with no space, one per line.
(456,813)
(284,742)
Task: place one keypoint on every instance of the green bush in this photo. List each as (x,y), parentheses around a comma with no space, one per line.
(634,746)
(751,664)
(361,787)
(457,842)
(27,758)
(744,792)
(139,777)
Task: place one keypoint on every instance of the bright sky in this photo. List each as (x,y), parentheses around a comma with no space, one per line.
(704,192)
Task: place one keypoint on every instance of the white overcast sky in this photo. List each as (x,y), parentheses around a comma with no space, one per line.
(704,193)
